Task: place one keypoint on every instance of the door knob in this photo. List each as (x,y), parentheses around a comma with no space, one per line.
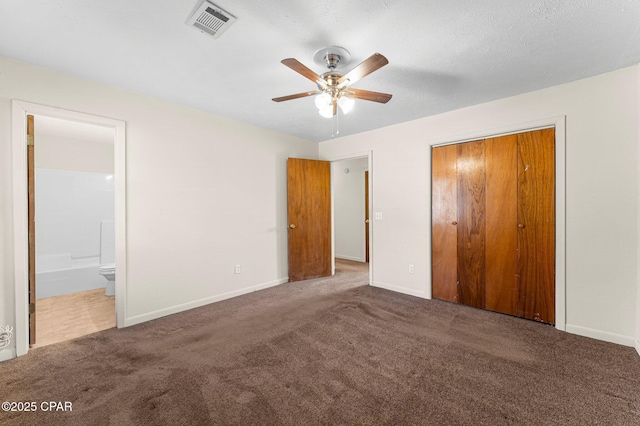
(292,226)
(454,223)
(366,221)
(521,225)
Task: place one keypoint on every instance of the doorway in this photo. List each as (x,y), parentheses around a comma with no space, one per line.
(349,181)
(350,190)
(74,235)
(20,112)
(307,199)
(352,201)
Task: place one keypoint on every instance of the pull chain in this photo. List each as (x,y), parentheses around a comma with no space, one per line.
(335,130)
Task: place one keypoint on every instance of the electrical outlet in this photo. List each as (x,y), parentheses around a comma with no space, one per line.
(412,269)
(378,216)
(238,269)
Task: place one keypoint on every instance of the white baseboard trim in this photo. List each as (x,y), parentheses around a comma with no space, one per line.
(355,259)
(198,303)
(638,347)
(398,289)
(601,335)
(7,354)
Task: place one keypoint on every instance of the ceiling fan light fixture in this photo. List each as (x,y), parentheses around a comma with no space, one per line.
(346,104)
(326,111)
(322,100)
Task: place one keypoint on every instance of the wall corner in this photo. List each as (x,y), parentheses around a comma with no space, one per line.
(638,213)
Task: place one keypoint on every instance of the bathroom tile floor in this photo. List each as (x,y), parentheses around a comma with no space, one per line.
(73,315)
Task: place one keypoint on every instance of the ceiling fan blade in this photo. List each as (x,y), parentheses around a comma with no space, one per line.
(301,69)
(367,95)
(296,96)
(366,67)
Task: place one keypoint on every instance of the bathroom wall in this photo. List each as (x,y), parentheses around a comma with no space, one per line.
(74,205)
(69,145)
(349,208)
(72,208)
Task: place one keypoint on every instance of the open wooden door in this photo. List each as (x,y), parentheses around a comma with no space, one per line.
(309,212)
(31,228)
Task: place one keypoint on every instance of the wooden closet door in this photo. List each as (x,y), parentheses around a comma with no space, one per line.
(536,225)
(444,214)
(500,249)
(501,155)
(471,223)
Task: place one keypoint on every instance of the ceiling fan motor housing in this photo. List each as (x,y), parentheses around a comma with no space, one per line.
(332,59)
(331,78)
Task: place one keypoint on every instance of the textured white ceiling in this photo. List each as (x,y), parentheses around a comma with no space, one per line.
(443,54)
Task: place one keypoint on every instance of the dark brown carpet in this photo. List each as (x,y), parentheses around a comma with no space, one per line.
(329,351)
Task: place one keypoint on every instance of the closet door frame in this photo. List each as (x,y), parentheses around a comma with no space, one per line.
(559,123)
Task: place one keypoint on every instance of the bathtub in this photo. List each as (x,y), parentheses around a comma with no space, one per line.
(61,274)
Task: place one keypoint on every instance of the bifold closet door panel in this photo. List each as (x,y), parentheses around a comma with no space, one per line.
(444,214)
(501,159)
(471,223)
(536,225)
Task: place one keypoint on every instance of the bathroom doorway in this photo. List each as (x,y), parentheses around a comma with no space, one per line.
(73,190)
(26,302)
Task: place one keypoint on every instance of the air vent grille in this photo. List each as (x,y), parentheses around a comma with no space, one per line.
(211,19)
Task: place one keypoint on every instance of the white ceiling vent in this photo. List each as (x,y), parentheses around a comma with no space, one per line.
(210,19)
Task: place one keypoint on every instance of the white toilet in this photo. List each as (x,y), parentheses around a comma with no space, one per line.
(108,255)
(109,272)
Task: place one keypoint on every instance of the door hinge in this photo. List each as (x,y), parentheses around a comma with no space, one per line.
(32,308)
(30,140)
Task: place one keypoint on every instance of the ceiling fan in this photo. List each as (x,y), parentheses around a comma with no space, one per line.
(333,87)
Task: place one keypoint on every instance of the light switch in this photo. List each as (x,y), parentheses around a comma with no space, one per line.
(378,215)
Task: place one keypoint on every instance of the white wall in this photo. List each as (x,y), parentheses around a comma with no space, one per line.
(203,193)
(74,196)
(601,193)
(71,207)
(349,208)
(638,227)
(69,153)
